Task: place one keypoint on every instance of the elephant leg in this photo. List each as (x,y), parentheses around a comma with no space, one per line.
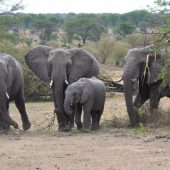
(20,104)
(139,101)
(4,114)
(99,113)
(87,118)
(78,116)
(3,125)
(71,117)
(154,104)
(155,97)
(94,120)
(61,116)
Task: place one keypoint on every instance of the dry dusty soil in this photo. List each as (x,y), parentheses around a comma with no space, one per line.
(114,147)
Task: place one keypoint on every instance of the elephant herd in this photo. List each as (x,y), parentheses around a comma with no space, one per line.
(72,74)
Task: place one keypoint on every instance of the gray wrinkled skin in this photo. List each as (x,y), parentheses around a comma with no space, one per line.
(11,88)
(89,94)
(61,67)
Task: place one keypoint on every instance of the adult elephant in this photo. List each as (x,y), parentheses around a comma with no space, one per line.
(11,88)
(61,67)
(144,66)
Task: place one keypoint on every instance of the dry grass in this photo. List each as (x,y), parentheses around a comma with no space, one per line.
(115,115)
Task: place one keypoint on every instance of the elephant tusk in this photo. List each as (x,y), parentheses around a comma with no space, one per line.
(117,81)
(7,95)
(51,83)
(134,80)
(66,82)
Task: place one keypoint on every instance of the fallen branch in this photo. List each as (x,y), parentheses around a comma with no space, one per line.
(111,86)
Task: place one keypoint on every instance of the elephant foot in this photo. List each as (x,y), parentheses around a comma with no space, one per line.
(93,128)
(26,125)
(71,126)
(62,128)
(4,127)
(79,126)
(135,121)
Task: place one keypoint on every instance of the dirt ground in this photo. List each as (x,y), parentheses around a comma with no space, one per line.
(110,148)
(114,147)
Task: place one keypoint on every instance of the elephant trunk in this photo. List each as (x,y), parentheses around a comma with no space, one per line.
(128,90)
(58,92)
(128,78)
(68,107)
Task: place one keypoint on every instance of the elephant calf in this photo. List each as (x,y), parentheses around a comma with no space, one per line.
(88,93)
(11,88)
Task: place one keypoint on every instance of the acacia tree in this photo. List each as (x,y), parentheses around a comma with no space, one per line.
(84,27)
(163,6)
(8,19)
(44,28)
(125,28)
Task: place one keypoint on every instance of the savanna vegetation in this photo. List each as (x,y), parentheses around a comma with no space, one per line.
(108,36)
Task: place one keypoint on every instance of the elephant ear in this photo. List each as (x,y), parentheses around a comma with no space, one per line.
(84,96)
(82,62)
(36,59)
(86,89)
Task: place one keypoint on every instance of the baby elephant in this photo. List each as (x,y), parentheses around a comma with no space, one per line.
(90,94)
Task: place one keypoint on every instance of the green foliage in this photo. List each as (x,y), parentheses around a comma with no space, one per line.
(35,89)
(119,51)
(125,28)
(163,7)
(140,130)
(84,26)
(165,73)
(134,40)
(143,25)
(45,28)
(105,49)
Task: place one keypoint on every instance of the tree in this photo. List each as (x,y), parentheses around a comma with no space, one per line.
(119,52)
(8,22)
(83,27)
(44,27)
(163,7)
(105,49)
(134,40)
(126,28)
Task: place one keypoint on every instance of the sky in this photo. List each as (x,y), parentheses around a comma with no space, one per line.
(84,6)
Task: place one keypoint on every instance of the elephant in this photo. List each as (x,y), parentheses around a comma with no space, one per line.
(61,67)
(90,94)
(143,65)
(11,88)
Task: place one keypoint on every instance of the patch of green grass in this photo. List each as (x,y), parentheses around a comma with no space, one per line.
(140,130)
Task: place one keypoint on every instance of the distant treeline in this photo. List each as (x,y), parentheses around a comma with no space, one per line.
(139,18)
